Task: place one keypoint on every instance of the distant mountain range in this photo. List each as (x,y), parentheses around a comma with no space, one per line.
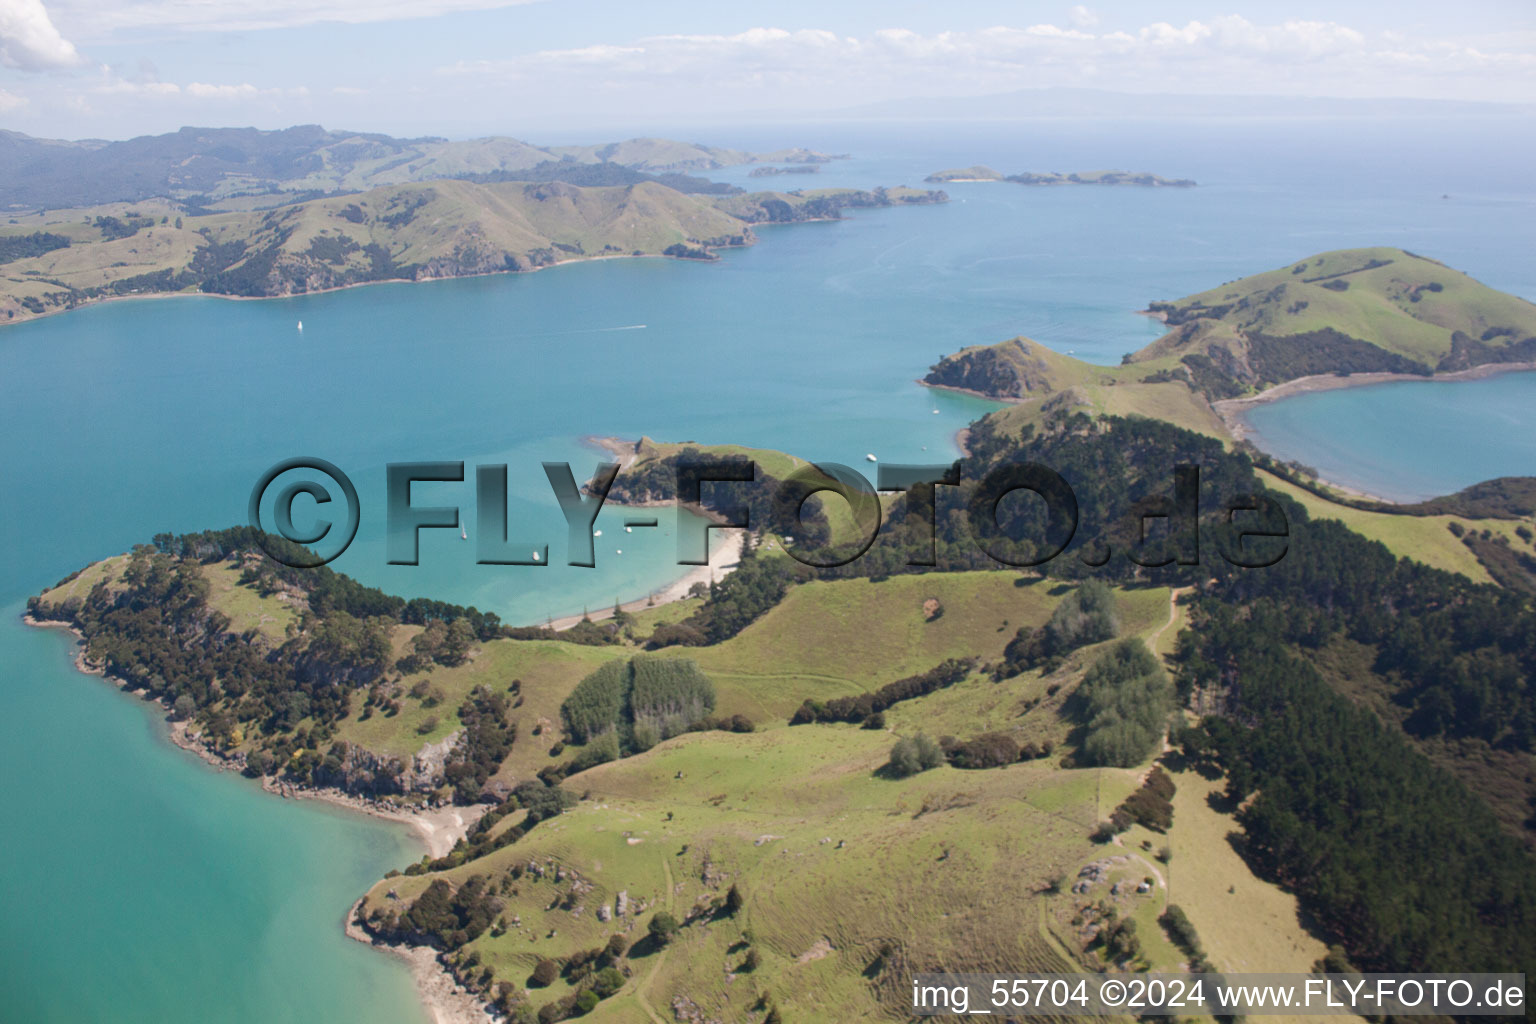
(214,167)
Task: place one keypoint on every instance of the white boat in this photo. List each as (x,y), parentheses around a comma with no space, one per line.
(618,551)
(301,325)
(935,412)
(597,533)
(871,458)
(536,556)
(463,534)
(629,529)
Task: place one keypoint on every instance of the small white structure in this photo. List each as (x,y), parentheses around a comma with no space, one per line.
(871,457)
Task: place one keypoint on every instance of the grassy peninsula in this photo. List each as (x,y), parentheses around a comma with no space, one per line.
(57,261)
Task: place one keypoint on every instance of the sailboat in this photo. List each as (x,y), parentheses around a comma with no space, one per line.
(301,325)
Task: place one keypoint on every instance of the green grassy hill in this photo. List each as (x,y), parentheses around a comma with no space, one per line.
(1353,310)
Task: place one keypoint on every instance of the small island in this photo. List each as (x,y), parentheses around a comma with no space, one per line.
(1142,178)
(984,173)
(976,173)
(769,172)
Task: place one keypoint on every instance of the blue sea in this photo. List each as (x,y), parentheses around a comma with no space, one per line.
(138,885)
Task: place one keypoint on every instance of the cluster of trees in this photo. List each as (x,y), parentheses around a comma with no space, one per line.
(989,750)
(859,709)
(1275,358)
(631,705)
(1123,703)
(21,247)
(919,753)
(1456,658)
(114,228)
(448,917)
(487,740)
(1387,850)
(1151,806)
(442,642)
(158,634)
(1086,616)
(733,604)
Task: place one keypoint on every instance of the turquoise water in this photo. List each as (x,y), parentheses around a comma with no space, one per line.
(140,885)
(1408,440)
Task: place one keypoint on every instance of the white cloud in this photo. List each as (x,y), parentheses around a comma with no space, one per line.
(29,40)
(1223,54)
(10,101)
(100,18)
(1082,17)
(120,87)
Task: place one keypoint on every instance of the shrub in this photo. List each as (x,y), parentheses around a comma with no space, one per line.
(875,721)
(989,750)
(1151,805)
(662,927)
(607,981)
(544,974)
(1177,924)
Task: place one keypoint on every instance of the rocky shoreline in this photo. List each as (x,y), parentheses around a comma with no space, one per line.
(438,828)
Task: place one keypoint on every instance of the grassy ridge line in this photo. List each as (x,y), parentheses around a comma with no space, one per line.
(1395,301)
(407,232)
(223,165)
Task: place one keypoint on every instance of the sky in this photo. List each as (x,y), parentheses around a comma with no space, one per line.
(460,68)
